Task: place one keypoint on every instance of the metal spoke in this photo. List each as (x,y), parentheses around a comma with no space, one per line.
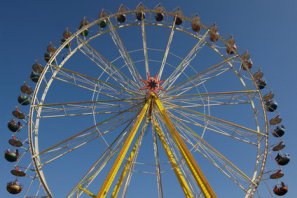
(82,138)
(30,185)
(210,99)
(125,55)
(143,33)
(157,163)
(216,158)
(189,159)
(75,111)
(98,166)
(90,83)
(218,128)
(185,62)
(106,65)
(202,76)
(216,121)
(86,108)
(167,49)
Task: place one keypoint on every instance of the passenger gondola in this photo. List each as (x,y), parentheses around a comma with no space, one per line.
(140,15)
(14,141)
(277,175)
(279,146)
(66,35)
(261,84)
(121,18)
(14,126)
(18,172)
(84,23)
(280,190)
(102,19)
(195,24)
(231,47)
(279,131)
(213,33)
(11,156)
(247,62)
(14,187)
(18,114)
(24,100)
(26,89)
(283,159)
(271,105)
(276,120)
(159,16)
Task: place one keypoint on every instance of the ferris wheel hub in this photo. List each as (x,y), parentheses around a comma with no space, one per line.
(152,84)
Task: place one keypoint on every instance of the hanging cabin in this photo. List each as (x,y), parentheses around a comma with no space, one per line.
(231,47)
(17,172)
(14,141)
(26,89)
(279,131)
(102,22)
(247,62)
(258,75)
(261,84)
(14,187)
(121,18)
(66,35)
(270,105)
(159,16)
(51,48)
(179,16)
(268,96)
(34,76)
(11,156)
(84,23)
(277,175)
(37,68)
(280,190)
(18,114)
(195,24)
(14,126)
(282,159)
(24,100)
(213,33)
(276,120)
(279,146)
(140,15)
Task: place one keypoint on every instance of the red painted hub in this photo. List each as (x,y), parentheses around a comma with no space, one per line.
(152,84)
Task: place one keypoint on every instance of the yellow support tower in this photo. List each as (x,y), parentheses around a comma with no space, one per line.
(178,173)
(193,166)
(128,164)
(119,160)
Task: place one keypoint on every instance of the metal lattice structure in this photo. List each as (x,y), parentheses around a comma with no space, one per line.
(199,105)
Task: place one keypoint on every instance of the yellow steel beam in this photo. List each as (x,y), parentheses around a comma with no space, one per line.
(128,164)
(177,171)
(192,164)
(118,162)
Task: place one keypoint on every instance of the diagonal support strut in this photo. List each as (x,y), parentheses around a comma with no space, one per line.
(181,179)
(193,166)
(119,160)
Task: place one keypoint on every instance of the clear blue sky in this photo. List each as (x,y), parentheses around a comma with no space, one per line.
(266,28)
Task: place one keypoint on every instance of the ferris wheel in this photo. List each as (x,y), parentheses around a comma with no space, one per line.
(146,103)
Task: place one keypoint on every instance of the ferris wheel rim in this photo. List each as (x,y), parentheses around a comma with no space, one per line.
(35,149)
